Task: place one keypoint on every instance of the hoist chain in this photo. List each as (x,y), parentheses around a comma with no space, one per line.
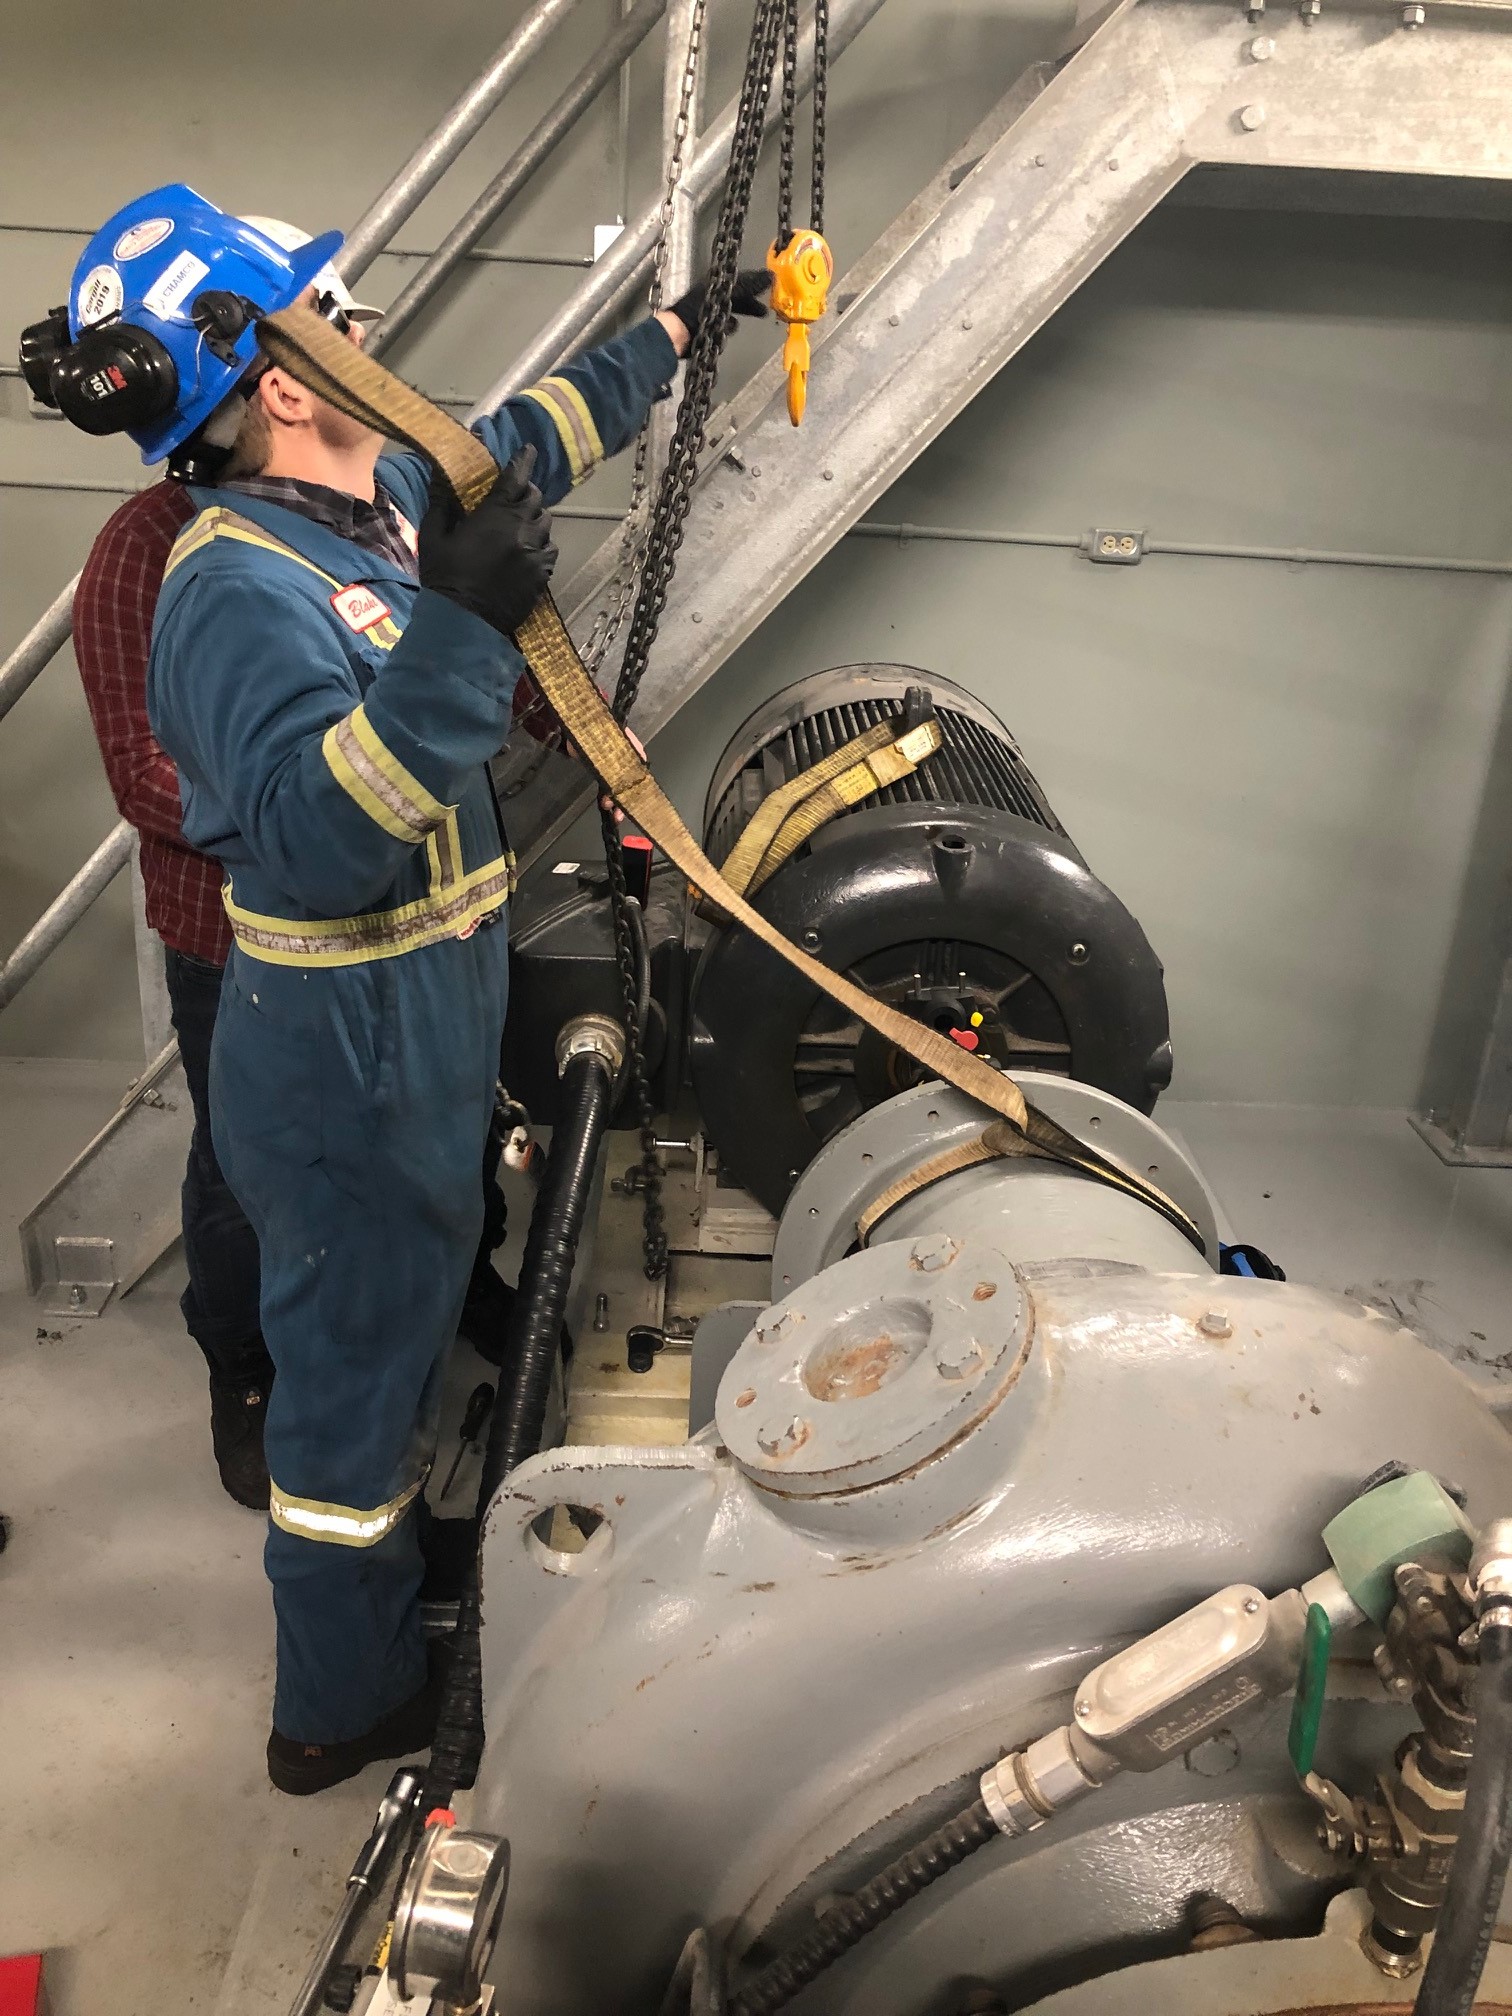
(610,621)
(821,108)
(663,537)
(621,590)
(789,124)
(673,497)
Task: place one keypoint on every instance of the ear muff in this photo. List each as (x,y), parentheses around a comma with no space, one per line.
(42,344)
(114,377)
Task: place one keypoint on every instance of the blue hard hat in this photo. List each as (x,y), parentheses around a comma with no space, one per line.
(145,268)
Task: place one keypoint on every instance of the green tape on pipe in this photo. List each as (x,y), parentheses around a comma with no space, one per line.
(1312,1681)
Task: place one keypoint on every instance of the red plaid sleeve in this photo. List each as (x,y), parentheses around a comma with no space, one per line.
(113,612)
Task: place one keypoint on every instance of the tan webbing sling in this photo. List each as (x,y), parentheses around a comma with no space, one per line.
(300,342)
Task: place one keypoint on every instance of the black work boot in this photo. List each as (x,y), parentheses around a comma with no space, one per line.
(236,1431)
(302,1768)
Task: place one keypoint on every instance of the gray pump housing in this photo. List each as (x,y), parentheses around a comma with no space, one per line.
(947,1475)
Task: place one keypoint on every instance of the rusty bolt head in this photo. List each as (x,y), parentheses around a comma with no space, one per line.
(960,1358)
(936,1250)
(1215,1323)
(782,1435)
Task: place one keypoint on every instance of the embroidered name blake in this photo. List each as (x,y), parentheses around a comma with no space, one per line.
(359,608)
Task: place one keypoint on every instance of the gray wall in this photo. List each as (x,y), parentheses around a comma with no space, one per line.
(1293,773)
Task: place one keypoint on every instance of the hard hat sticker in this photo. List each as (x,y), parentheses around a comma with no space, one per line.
(100,295)
(359,608)
(142,237)
(172,284)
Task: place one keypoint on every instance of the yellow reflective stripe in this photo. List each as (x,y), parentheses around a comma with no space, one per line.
(339,1525)
(378,934)
(372,775)
(220,523)
(573,421)
(443,849)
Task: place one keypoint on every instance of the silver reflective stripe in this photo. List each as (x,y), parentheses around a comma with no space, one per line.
(340,1525)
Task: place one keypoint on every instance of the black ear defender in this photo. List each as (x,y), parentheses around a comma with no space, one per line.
(42,343)
(115,376)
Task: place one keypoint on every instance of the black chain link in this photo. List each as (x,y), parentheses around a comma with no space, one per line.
(789,124)
(653,1216)
(821,108)
(664,538)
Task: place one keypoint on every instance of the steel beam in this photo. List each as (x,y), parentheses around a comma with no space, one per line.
(983,258)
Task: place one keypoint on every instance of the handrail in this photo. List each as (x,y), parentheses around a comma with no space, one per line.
(37,648)
(376,226)
(613,279)
(60,916)
(538,144)
(367,238)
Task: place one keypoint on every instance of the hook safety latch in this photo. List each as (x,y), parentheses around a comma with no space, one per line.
(801,274)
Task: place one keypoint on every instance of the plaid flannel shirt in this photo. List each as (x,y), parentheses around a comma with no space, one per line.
(113,611)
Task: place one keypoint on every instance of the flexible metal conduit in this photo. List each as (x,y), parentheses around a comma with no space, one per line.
(615,277)
(364,242)
(539,143)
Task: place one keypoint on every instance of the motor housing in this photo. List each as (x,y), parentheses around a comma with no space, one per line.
(955,895)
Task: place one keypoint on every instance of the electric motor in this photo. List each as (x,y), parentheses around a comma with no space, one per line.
(954,894)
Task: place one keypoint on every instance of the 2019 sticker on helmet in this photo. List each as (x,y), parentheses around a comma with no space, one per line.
(170,287)
(100,295)
(142,237)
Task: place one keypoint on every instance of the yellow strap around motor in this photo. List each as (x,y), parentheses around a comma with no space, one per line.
(309,349)
(795,811)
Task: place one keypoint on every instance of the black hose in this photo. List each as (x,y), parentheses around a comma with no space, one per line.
(532,1340)
(846,1923)
(1478,1871)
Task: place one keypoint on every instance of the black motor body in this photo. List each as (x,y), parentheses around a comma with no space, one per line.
(955,895)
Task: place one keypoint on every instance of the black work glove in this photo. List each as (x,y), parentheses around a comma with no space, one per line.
(497,560)
(749,298)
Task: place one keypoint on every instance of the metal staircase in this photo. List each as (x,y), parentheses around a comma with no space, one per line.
(1076,154)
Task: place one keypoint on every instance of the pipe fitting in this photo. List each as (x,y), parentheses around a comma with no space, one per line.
(1491,1567)
(1025,1789)
(591,1036)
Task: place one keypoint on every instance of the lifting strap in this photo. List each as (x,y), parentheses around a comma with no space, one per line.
(795,811)
(300,342)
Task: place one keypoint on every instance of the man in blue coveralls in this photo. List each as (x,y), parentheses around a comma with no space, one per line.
(330,682)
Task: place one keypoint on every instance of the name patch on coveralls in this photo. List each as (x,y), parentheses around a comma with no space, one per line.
(359,608)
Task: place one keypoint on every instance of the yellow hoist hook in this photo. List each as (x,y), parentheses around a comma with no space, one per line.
(801,274)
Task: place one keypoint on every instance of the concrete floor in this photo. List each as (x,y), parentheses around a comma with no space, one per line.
(143,1848)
